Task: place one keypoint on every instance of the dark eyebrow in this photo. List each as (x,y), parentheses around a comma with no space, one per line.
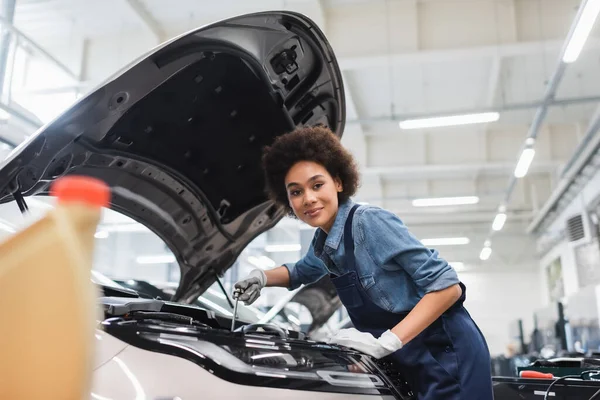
(310,180)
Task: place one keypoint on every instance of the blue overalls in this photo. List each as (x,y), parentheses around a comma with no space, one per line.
(449,360)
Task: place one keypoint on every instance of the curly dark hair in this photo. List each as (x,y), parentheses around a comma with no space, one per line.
(316,144)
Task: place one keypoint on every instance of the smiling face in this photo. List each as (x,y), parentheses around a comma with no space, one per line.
(313,194)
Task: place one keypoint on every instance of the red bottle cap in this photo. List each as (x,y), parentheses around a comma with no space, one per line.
(84,189)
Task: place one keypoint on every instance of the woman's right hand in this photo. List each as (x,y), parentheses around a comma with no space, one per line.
(248,289)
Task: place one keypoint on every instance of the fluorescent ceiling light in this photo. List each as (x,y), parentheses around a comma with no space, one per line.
(124,228)
(582,30)
(156,259)
(215,306)
(7,227)
(451,120)
(101,235)
(39,203)
(293,319)
(499,221)
(266,261)
(262,262)
(4,115)
(445,201)
(524,162)
(445,241)
(457,265)
(486,252)
(278,248)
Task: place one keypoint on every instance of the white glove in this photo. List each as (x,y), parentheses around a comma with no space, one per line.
(364,342)
(248,289)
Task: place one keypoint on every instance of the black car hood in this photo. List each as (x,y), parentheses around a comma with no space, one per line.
(178,135)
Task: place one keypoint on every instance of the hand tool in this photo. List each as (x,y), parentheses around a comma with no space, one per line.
(236,296)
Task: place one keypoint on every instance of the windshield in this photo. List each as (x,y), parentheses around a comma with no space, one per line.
(102,280)
(126,251)
(123,248)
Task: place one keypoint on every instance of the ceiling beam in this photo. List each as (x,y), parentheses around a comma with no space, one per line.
(494,82)
(502,108)
(462,54)
(148,19)
(458,217)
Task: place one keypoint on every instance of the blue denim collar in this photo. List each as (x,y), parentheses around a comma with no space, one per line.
(332,240)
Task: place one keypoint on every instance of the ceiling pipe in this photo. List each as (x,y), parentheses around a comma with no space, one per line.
(539,118)
(549,97)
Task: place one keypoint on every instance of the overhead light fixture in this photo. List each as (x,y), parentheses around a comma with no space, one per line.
(156,259)
(7,227)
(445,201)
(280,248)
(582,30)
(524,162)
(4,115)
(40,203)
(262,262)
(457,265)
(101,235)
(452,120)
(499,221)
(135,227)
(452,241)
(485,254)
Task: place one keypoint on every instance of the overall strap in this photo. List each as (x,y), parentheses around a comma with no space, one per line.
(349,240)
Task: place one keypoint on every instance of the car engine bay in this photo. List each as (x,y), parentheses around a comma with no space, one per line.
(253,354)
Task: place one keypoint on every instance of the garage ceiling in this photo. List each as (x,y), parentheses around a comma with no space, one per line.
(401,59)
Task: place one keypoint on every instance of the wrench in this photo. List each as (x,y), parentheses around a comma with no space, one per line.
(236,295)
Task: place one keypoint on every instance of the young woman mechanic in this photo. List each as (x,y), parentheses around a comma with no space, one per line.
(403,299)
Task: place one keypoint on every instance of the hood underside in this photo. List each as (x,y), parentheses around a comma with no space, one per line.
(178,135)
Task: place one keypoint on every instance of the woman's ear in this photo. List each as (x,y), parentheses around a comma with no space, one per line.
(338,185)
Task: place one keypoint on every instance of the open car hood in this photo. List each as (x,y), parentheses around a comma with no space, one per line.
(178,135)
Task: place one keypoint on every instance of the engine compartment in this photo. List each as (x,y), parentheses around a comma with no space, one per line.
(253,354)
(133,308)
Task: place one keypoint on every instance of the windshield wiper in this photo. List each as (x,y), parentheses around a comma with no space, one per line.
(18,196)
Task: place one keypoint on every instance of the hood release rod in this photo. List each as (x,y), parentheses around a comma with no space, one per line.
(21,201)
(222,287)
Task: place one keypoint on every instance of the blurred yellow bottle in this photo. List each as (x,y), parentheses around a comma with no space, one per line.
(47,301)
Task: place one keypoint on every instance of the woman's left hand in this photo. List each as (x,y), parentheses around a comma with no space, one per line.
(366,343)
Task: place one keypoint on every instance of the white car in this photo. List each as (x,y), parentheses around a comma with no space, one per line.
(178,136)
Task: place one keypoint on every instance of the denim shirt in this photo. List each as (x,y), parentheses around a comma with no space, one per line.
(393,266)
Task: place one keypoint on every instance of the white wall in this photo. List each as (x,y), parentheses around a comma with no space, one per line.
(495,299)
(587,196)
